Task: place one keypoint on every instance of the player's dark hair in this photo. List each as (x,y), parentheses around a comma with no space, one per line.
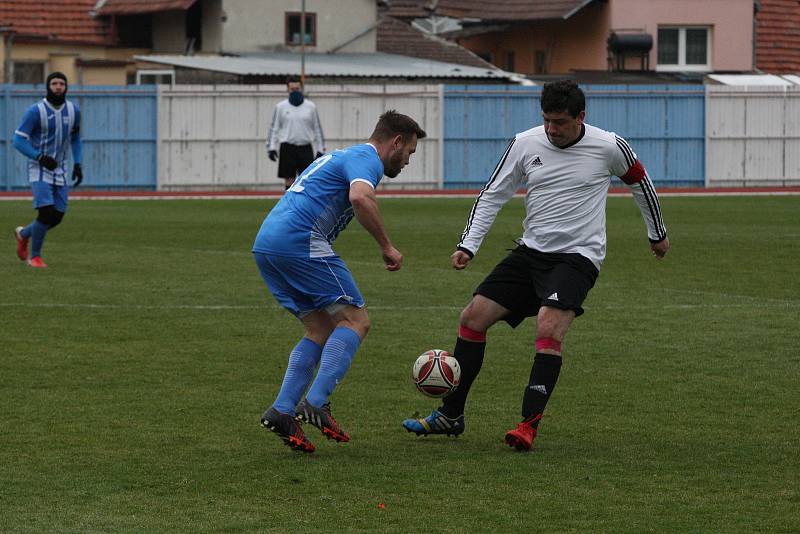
(563,95)
(294,79)
(393,123)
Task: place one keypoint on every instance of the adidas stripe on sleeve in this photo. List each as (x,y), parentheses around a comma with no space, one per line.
(632,172)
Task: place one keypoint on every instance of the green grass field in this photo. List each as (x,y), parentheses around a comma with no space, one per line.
(135,369)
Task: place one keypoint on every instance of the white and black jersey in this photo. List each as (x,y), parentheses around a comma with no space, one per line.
(567,187)
(296,125)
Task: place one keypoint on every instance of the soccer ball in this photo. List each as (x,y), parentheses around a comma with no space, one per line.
(436,373)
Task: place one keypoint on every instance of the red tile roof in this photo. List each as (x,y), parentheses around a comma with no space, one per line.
(55,20)
(506,10)
(778,37)
(136,7)
(398,37)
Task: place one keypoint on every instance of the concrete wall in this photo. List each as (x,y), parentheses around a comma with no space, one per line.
(579,43)
(731,23)
(60,57)
(212,26)
(259,25)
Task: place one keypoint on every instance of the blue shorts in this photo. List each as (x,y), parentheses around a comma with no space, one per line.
(45,194)
(304,285)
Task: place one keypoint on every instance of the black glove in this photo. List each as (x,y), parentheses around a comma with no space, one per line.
(47,162)
(273,155)
(319,154)
(77,175)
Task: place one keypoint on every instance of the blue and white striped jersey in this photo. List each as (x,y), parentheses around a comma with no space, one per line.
(312,213)
(51,131)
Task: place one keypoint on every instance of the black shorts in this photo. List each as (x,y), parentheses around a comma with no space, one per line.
(293,159)
(528,279)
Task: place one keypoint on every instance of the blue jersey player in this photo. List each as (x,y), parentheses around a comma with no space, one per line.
(293,251)
(49,129)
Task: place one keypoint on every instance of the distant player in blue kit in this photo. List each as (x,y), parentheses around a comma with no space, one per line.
(49,128)
(293,251)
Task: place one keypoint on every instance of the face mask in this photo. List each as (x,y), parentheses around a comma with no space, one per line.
(296,98)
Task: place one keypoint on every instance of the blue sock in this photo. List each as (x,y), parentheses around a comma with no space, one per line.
(336,357)
(302,362)
(37,230)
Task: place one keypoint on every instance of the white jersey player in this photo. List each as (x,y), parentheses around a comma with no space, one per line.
(566,167)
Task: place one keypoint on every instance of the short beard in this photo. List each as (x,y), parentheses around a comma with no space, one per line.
(56,100)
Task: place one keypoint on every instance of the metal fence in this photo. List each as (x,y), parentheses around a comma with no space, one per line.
(663,123)
(118,131)
(213,137)
(753,136)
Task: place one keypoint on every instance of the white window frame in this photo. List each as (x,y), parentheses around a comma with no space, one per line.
(682,66)
(155,72)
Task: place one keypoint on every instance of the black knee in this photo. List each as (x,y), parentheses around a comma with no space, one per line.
(50,216)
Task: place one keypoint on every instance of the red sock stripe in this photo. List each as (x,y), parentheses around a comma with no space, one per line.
(547,343)
(471,335)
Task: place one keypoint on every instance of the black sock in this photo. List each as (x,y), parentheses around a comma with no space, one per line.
(544,375)
(470,358)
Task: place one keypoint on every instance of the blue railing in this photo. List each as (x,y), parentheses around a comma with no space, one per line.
(665,125)
(119,134)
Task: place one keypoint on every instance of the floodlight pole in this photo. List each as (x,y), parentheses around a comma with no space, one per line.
(303,43)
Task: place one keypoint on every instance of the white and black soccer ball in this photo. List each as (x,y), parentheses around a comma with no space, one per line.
(436,373)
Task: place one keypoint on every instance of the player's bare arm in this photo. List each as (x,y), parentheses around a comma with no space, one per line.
(365,207)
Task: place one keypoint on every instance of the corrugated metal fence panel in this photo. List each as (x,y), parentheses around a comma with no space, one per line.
(118,132)
(753,136)
(213,137)
(479,122)
(663,124)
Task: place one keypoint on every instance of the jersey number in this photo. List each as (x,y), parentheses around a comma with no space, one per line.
(298,187)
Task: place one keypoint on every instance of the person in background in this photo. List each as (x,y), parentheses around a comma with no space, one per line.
(295,126)
(49,129)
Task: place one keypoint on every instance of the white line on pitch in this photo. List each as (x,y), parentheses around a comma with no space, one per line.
(227,307)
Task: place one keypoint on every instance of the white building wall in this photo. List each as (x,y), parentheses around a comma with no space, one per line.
(252,26)
(213,137)
(212,26)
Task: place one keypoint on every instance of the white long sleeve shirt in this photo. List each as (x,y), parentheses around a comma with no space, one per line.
(296,125)
(565,203)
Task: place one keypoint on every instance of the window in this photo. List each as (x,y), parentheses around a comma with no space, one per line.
(156,77)
(684,49)
(28,72)
(293,29)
